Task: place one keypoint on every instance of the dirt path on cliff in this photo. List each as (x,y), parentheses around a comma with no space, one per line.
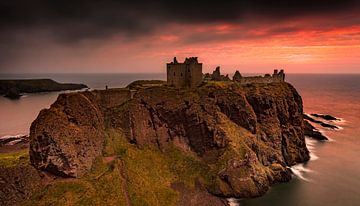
(124,182)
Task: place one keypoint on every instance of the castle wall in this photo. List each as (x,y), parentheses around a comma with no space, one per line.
(113,97)
(195,74)
(259,79)
(176,74)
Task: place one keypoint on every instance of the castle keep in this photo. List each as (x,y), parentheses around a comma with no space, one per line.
(187,74)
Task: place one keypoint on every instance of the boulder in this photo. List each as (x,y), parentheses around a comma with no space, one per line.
(65,139)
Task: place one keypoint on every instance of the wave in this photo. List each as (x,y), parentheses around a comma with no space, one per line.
(325,133)
(341,121)
(299,170)
(310,144)
(233,201)
(13,136)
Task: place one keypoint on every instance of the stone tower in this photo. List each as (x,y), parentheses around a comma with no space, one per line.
(279,75)
(187,74)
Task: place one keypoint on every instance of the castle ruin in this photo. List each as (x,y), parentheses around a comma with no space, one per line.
(267,78)
(187,74)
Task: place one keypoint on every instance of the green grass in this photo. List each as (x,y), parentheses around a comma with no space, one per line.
(140,84)
(14,158)
(219,84)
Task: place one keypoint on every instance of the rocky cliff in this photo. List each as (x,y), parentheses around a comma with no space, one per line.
(222,139)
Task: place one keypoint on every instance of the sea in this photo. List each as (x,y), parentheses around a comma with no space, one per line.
(330,178)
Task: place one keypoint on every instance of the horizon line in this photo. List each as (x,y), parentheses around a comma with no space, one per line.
(34,73)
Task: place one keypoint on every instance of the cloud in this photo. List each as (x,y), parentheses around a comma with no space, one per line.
(71,20)
(39,30)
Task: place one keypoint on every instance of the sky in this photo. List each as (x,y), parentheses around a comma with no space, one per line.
(141,36)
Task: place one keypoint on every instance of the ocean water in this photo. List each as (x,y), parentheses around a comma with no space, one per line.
(331,177)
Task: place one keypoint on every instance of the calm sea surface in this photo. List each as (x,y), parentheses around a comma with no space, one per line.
(331,178)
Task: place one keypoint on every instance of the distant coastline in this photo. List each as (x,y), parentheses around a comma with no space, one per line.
(13,88)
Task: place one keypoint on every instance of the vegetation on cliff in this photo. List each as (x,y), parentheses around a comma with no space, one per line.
(125,174)
(14,158)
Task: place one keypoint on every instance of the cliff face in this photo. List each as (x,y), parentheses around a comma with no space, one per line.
(242,136)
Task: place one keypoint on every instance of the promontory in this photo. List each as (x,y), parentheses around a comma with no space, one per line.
(163,143)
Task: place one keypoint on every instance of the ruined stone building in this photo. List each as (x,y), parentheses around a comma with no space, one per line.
(267,78)
(279,75)
(216,76)
(187,74)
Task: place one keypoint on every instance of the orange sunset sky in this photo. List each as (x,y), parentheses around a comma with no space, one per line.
(253,38)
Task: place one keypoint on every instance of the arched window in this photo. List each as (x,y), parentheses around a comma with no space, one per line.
(181,74)
(174,73)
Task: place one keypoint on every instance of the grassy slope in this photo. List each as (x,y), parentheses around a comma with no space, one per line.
(14,158)
(149,173)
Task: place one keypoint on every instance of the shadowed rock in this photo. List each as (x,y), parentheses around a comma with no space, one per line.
(325,116)
(323,124)
(237,76)
(311,131)
(13,93)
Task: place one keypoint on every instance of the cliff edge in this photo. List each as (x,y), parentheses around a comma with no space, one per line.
(166,146)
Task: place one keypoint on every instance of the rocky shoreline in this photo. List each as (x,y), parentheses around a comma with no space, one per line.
(221,140)
(14,143)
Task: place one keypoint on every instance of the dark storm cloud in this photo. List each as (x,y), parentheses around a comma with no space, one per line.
(76,20)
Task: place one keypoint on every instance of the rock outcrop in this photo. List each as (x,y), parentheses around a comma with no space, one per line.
(66,138)
(237,76)
(247,135)
(13,93)
(326,117)
(321,123)
(311,131)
